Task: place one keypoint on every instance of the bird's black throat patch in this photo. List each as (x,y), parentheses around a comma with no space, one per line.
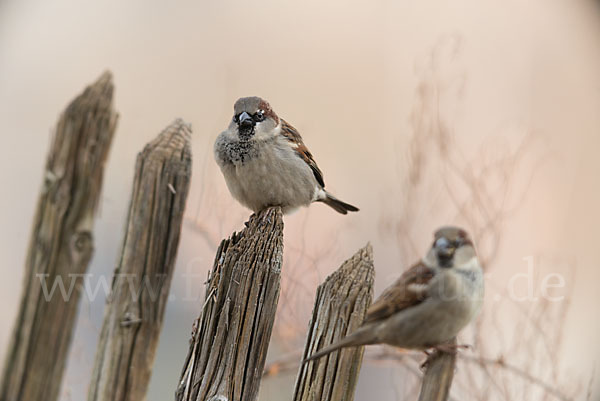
(239,152)
(246,133)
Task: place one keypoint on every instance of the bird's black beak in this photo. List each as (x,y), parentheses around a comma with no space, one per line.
(445,256)
(245,121)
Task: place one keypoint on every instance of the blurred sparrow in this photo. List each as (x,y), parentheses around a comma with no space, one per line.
(265,162)
(429,304)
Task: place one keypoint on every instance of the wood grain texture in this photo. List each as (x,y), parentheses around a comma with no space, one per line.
(230,338)
(438,376)
(340,307)
(61,246)
(134,312)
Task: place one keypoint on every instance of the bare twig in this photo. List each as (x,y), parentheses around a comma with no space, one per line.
(500,363)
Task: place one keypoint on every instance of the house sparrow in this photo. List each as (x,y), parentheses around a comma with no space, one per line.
(429,304)
(265,162)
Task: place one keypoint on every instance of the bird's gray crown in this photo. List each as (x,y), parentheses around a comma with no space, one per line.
(452,234)
(250,105)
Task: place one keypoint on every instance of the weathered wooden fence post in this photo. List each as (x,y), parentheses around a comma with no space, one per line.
(230,339)
(134,311)
(61,246)
(340,306)
(438,376)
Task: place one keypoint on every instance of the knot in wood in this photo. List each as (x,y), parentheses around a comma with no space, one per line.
(49,181)
(82,241)
(130,319)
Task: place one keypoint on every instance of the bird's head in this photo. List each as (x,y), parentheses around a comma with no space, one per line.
(253,117)
(451,247)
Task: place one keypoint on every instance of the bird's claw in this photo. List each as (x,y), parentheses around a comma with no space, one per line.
(446,348)
(451,348)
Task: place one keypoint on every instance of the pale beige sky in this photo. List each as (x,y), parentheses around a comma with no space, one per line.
(349,75)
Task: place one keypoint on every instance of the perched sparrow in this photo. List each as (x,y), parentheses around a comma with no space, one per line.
(429,304)
(265,162)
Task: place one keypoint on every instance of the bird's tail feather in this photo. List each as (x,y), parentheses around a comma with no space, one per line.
(359,337)
(338,205)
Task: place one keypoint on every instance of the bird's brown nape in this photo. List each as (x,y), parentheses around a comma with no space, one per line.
(269,113)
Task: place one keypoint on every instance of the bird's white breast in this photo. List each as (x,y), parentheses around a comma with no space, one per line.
(274,175)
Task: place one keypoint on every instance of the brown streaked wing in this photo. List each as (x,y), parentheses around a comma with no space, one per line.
(294,137)
(398,296)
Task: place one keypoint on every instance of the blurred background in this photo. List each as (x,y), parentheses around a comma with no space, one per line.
(484,114)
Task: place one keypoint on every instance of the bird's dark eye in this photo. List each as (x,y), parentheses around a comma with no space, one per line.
(259,116)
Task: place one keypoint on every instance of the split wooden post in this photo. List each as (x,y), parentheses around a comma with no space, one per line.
(60,247)
(230,338)
(340,307)
(134,311)
(438,376)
